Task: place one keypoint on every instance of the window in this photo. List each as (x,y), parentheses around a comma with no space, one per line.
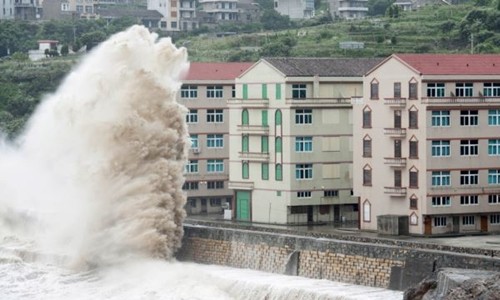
(215,91)
(215,165)
(464,89)
(190,185)
(413,202)
(192,116)
(397,178)
(303,171)
(215,185)
(491,89)
(303,116)
(278,144)
(494,117)
(435,90)
(215,202)
(367,176)
(414,179)
(374,90)
(263,114)
(494,219)
(264,144)
(469,177)
(469,147)
(245,91)
(367,117)
(304,194)
(397,119)
(441,201)
(413,90)
(244,170)
(397,90)
(64,7)
(468,220)
(469,118)
(331,193)
(278,91)
(469,200)
(189,91)
(192,166)
(244,143)
(265,171)
(215,116)
(194,141)
(440,221)
(440,148)
(79,8)
(441,178)
(173,24)
(233,91)
(494,176)
(215,140)
(303,144)
(440,118)
(299,91)
(367,147)
(264,91)
(244,117)
(277,117)
(295,210)
(494,199)
(413,118)
(279,172)
(413,149)
(367,208)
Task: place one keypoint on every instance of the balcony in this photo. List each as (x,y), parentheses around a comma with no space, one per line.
(318,102)
(462,100)
(395,102)
(395,191)
(395,132)
(249,103)
(240,185)
(353,8)
(253,129)
(254,156)
(397,162)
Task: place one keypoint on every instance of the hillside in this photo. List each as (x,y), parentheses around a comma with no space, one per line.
(434,29)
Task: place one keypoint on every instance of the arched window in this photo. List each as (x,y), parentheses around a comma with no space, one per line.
(244,143)
(244,170)
(278,144)
(367,211)
(277,117)
(244,117)
(279,172)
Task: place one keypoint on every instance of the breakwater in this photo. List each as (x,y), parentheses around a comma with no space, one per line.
(378,262)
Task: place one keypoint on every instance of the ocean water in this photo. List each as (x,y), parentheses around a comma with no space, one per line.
(91,200)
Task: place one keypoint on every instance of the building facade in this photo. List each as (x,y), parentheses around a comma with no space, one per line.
(217,11)
(7,10)
(348,9)
(291,140)
(205,92)
(427,143)
(295,9)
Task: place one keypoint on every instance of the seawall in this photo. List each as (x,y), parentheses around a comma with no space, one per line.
(378,262)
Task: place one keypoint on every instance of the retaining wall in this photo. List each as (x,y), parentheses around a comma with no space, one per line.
(358,260)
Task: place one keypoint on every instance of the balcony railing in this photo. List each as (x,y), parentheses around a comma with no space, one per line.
(396,102)
(395,191)
(395,132)
(255,129)
(461,100)
(254,156)
(395,161)
(255,103)
(311,102)
(353,8)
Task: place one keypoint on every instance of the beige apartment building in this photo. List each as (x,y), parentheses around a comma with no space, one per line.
(205,92)
(427,144)
(291,126)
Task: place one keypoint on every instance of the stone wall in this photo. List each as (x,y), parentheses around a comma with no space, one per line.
(373,263)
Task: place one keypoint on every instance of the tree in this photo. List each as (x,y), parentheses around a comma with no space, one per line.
(93,38)
(64,50)
(378,7)
(272,20)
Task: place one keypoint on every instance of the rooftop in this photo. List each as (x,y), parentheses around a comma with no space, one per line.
(326,67)
(216,71)
(453,64)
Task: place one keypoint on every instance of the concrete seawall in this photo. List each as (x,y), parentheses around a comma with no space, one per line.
(375,262)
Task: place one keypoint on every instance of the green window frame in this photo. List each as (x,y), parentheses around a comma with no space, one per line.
(265,171)
(264,144)
(277,117)
(278,91)
(245,91)
(278,144)
(245,170)
(244,143)
(264,118)
(264,91)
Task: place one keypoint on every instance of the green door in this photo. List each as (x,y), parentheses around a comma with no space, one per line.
(243,205)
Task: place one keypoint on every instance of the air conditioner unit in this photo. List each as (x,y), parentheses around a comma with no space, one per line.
(225,205)
(196,150)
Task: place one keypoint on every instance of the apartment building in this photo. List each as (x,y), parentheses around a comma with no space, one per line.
(217,11)
(295,9)
(291,126)
(348,9)
(205,92)
(427,143)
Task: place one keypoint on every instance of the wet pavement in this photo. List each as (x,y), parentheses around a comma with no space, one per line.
(476,241)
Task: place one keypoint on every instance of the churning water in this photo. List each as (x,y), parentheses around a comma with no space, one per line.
(91,204)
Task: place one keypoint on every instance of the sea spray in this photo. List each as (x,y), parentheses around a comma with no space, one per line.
(103,157)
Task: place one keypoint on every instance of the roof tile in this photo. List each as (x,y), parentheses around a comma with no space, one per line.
(216,71)
(453,64)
